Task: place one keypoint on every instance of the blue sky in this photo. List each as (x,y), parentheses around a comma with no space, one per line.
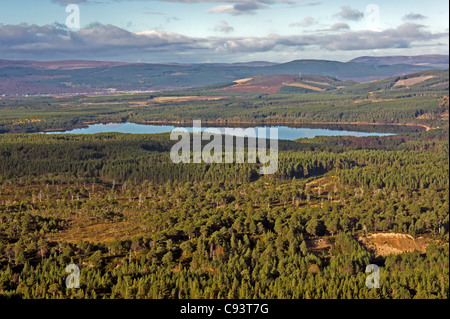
(222,30)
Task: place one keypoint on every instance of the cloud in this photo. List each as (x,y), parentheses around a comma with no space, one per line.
(224,27)
(235,7)
(67,2)
(309,4)
(154,13)
(337,27)
(306,22)
(348,13)
(404,36)
(192,1)
(222,9)
(310,21)
(171,19)
(94,41)
(413,16)
(233,1)
(301,4)
(98,41)
(238,9)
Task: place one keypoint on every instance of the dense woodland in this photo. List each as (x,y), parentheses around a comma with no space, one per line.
(140,226)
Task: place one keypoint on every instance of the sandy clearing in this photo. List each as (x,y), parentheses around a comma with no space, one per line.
(163,99)
(393,243)
(412,81)
(240,81)
(317,82)
(306,86)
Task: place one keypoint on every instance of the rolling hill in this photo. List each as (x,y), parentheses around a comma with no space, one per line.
(100,77)
(430,60)
(434,80)
(428,80)
(285,83)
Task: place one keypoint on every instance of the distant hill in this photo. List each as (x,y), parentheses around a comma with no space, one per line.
(359,72)
(285,83)
(104,77)
(430,60)
(428,80)
(249,64)
(58,65)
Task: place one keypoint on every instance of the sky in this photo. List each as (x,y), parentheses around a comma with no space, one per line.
(211,31)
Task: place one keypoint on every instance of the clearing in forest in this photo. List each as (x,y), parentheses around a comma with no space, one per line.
(412,81)
(384,244)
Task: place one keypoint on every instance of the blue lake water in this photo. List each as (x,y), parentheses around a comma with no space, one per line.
(284,132)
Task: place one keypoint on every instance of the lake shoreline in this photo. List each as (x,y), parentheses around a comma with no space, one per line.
(288,123)
(206,123)
(283,132)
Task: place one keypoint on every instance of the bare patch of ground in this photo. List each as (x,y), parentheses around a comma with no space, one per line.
(130,103)
(163,99)
(96,231)
(318,245)
(269,84)
(384,244)
(374,100)
(317,82)
(26,121)
(326,184)
(412,81)
(240,81)
(444,115)
(306,86)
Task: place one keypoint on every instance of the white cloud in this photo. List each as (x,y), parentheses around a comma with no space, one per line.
(306,22)
(67,2)
(107,41)
(348,13)
(413,16)
(336,27)
(404,36)
(238,9)
(224,27)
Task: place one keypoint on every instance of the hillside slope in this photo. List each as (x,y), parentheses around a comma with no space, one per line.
(430,60)
(77,77)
